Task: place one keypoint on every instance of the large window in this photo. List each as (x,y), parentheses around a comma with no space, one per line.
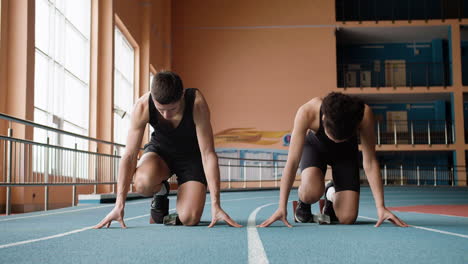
(61,95)
(124,73)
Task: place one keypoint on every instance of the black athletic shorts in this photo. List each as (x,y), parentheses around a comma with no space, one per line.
(344,161)
(185,167)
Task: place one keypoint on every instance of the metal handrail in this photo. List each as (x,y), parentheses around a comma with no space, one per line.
(53,129)
(25,141)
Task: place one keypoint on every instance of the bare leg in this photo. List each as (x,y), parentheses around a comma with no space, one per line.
(151,171)
(191,197)
(346,206)
(312,185)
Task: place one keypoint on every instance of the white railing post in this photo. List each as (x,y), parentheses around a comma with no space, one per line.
(412,133)
(417,175)
(385,174)
(245,176)
(428,133)
(46,177)
(75,171)
(401,175)
(446,134)
(229,174)
(260,167)
(452,176)
(96,172)
(276,174)
(395,133)
(453,133)
(9,170)
(378,133)
(114,170)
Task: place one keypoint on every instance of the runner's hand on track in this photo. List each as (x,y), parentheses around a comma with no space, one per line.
(280,214)
(117,214)
(218,214)
(385,214)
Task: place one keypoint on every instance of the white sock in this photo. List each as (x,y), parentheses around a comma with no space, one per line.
(331,194)
(163,190)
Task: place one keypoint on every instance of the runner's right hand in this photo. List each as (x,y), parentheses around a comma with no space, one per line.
(280,214)
(117,214)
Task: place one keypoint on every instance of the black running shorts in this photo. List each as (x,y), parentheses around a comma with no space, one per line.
(185,167)
(344,162)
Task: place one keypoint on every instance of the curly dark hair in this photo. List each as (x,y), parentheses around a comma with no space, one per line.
(343,113)
(167,87)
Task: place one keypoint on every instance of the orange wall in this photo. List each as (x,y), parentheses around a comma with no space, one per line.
(129,12)
(255,61)
(160,35)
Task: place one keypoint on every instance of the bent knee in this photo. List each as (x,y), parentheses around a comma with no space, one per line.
(190,219)
(143,187)
(310,195)
(347,220)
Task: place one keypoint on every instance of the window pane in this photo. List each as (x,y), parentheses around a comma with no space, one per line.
(76,102)
(41,81)
(62,73)
(42,25)
(123,86)
(75,51)
(78,12)
(59,39)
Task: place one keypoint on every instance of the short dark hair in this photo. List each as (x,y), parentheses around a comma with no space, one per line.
(167,87)
(343,113)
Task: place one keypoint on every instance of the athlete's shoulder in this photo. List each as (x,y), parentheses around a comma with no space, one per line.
(311,109)
(199,98)
(141,108)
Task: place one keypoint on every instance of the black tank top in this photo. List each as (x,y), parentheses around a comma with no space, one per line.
(179,141)
(329,145)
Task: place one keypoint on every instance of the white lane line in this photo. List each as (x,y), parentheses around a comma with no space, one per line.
(65,212)
(62,234)
(110,205)
(44,238)
(425,228)
(256,251)
(89,227)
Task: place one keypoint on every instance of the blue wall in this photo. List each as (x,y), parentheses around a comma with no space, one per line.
(426,67)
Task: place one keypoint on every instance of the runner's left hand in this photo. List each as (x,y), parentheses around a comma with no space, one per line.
(218,214)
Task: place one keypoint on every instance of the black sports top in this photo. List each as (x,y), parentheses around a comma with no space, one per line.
(181,140)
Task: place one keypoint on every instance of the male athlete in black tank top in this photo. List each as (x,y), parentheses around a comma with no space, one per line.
(178,146)
(182,144)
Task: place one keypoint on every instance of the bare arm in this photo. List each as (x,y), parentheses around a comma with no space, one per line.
(302,121)
(201,116)
(372,168)
(127,165)
(370,163)
(301,124)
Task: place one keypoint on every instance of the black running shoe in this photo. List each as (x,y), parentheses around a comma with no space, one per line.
(303,213)
(160,206)
(172,219)
(328,207)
